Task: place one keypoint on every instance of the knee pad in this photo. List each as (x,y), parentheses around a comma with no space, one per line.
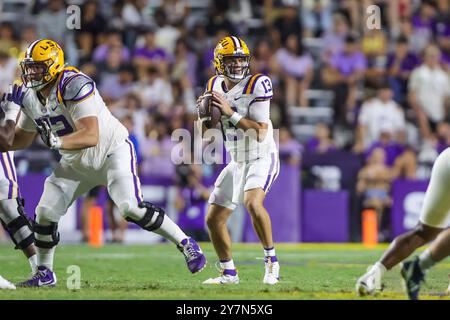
(23,239)
(145,223)
(46,230)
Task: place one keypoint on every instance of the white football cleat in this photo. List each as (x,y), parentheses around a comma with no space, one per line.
(272,274)
(370,283)
(226,277)
(5,284)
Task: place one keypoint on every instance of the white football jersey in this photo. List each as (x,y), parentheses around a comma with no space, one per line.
(243,146)
(63,108)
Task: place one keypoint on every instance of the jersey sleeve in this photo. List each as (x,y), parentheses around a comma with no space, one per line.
(79,97)
(26,123)
(82,109)
(259,111)
(211,83)
(260,87)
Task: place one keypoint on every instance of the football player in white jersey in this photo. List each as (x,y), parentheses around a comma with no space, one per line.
(434,219)
(65,108)
(12,214)
(244,101)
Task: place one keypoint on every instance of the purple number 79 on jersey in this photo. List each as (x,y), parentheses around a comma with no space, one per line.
(57,121)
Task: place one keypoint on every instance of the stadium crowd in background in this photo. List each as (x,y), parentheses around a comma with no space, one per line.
(389,86)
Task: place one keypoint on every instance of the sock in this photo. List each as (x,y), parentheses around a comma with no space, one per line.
(269,252)
(170,230)
(33,263)
(227,264)
(45,257)
(378,265)
(425,260)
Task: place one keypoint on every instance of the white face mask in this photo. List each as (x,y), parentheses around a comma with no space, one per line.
(33,75)
(236,68)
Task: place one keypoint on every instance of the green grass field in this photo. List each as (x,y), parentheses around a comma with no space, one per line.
(309,271)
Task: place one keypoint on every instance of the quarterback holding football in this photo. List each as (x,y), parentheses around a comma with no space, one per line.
(244,102)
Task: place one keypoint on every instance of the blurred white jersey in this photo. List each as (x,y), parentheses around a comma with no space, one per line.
(9,188)
(243,146)
(72,97)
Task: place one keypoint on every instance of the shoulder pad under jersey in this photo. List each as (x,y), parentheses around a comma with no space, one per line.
(77,87)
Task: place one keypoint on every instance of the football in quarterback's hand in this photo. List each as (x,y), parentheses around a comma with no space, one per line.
(209,113)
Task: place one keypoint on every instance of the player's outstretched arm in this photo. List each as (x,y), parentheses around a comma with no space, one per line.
(7,136)
(22,139)
(85,136)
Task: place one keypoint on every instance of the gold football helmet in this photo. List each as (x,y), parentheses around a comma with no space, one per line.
(232,58)
(43,61)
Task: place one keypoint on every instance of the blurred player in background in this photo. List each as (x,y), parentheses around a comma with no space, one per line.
(12,213)
(434,219)
(64,107)
(244,101)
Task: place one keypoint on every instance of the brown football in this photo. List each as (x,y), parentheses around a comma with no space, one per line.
(209,111)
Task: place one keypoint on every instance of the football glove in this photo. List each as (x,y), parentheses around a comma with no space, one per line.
(49,138)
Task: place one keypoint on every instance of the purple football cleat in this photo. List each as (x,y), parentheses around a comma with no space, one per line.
(43,277)
(195,259)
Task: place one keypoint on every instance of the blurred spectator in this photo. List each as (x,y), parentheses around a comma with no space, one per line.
(176,11)
(343,74)
(27,36)
(288,23)
(429,90)
(92,20)
(423,23)
(217,19)
(185,66)
(191,201)
(334,40)
(130,104)
(85,43)
(296,68)
(8,67)
(378,113)
(134,14)
(316,17)
(290,150)
(262,58)
(322,141)
(157,149)
(113,42)
(400,64)
(374,180)
(118,84)
(152,89)
(166,35)
(374,47)
(8,43)
(151,55)
(48,20)
(386,140)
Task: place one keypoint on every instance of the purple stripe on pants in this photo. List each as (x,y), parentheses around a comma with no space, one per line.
(136,192)
(272,163)
(6,176)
